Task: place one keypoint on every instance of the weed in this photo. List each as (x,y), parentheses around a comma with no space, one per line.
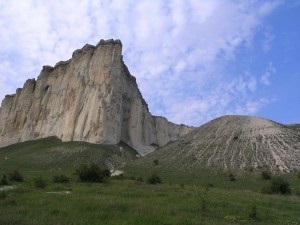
(234,219)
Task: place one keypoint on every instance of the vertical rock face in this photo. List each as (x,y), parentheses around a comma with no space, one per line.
(92,97)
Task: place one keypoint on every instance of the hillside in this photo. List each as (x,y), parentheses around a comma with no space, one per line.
(295,127)
(233,142)
(53,154)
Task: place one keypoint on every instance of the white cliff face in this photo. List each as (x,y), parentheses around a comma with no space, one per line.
(92,97)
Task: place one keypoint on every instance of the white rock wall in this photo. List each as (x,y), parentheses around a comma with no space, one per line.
(92,97)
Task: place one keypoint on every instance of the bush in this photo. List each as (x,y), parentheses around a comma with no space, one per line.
(40,183)
(60,179)
(154,179)
(106,172)
(277,186)
(207,186)
(92,173)
(231,177)
(3,195)
(155,162)
(140,179)
(15,176)
(266,175)
(4,181)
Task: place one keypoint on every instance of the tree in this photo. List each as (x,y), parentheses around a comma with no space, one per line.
(92,173)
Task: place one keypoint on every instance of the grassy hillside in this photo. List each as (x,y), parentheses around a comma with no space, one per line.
(213,199)
(185,196)
(53,154)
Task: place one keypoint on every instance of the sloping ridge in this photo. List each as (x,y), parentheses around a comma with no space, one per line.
(53,154)
(234,142)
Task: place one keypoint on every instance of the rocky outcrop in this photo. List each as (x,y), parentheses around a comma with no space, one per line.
(234,143)
(92,97)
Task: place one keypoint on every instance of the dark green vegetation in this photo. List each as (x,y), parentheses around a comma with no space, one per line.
(182,197)
(92,173)
(61,179)
(53,154)
(154,179)
(278,185)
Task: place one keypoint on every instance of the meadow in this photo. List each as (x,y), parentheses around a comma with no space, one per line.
(214,199)
(200,196)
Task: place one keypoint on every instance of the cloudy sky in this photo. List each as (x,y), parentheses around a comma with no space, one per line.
(194,60)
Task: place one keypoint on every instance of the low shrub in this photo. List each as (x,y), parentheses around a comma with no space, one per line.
(15,176)
(252,214)
(2,195)
(92,173)
(207,186)
(155,162)
(40,183)
(140,179)
(231,177)
(277,186)
(266,175)
(154,179)
(60,179)
(4,181)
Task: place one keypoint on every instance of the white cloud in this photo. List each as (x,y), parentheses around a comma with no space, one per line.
(267,41)
(178,50)
(265,78)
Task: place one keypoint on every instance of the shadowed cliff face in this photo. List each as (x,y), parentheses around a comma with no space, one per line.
(234,142)
(92,97)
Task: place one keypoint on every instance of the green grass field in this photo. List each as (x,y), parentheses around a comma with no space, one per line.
(53,154)
(184,197)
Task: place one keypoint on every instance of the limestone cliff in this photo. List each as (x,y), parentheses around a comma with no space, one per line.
(92,97)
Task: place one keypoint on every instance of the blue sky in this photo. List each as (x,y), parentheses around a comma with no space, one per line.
(194,60)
